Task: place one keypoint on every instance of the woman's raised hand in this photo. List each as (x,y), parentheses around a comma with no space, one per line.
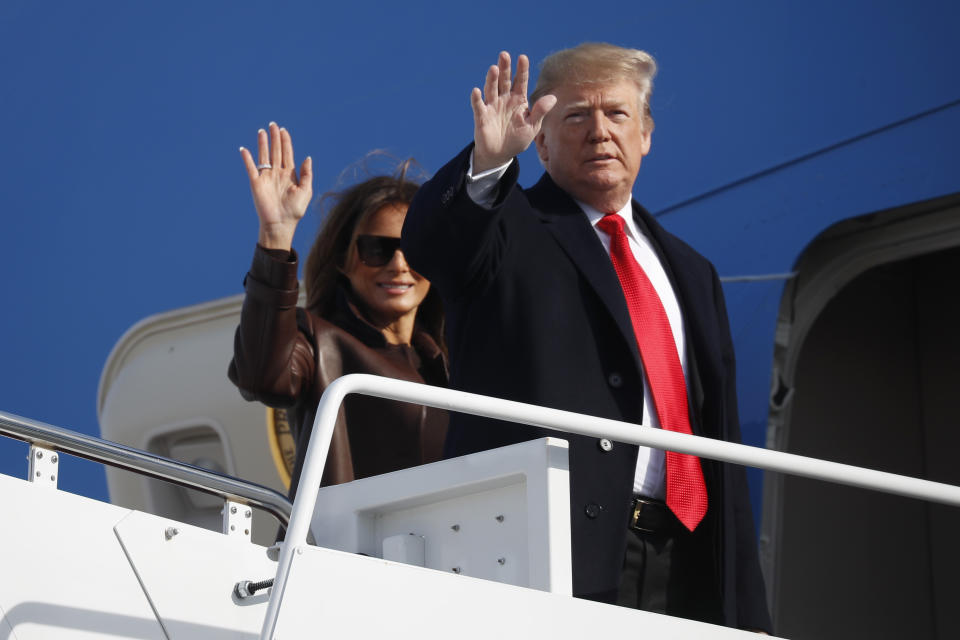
(503,126)
(280,197)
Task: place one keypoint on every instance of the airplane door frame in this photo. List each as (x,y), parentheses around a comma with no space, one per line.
(831,261)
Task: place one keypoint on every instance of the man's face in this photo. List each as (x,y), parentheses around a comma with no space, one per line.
(593,140)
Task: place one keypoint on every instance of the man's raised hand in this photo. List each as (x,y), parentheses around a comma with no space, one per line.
(503,125)
(279,196)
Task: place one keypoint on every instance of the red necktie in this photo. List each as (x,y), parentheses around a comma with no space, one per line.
(686,490)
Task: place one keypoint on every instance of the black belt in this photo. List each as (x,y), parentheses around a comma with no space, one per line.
(652,517)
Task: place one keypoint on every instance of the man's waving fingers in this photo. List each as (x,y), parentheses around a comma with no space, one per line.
(503,62)
(490,92)
(523,76)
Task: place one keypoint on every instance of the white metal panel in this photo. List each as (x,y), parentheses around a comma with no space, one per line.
(189,577)
(64,574)
(465,536)
(334,594)
(408,549)
(501,515)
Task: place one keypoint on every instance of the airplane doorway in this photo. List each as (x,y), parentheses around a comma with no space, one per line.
(868,371)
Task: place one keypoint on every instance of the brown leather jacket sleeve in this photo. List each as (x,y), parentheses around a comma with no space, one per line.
(273,361)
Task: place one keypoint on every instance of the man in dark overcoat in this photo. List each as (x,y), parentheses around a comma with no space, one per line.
(570,295)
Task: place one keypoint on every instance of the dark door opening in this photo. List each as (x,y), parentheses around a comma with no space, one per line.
(875,385)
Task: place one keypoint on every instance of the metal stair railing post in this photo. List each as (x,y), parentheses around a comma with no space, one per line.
(566,421)
(121,456)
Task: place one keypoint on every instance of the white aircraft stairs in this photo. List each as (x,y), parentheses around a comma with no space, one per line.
(475,547)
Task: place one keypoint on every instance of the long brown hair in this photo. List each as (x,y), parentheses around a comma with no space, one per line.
(346,211)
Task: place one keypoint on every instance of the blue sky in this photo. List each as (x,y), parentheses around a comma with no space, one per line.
(123,193)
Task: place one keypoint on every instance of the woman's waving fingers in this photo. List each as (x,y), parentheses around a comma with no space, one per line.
(275,146)
(252,171)
(286,147)
(306,176)
(280,197)
(263,148)
(274,152)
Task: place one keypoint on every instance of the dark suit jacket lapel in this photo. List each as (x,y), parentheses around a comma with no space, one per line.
(570,227)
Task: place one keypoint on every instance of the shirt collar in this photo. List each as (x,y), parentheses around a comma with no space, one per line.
(625,212)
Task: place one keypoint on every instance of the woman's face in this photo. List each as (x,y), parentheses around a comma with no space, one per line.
(392,291)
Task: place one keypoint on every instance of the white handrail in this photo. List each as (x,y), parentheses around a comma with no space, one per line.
(145,463)
(567,421)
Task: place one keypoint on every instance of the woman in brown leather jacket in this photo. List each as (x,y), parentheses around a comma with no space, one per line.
(366,312)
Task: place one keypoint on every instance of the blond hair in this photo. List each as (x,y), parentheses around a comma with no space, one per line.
(598,63)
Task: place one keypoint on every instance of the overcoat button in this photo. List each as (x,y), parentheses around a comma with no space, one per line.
(605,445)
(615,380)
(447,195)
(592,510)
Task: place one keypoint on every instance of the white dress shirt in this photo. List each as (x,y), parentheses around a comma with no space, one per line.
(650,476)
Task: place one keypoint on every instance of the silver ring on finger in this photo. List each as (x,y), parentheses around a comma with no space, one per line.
(264,165)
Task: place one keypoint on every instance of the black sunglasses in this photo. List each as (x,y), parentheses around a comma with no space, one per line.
(376,251)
